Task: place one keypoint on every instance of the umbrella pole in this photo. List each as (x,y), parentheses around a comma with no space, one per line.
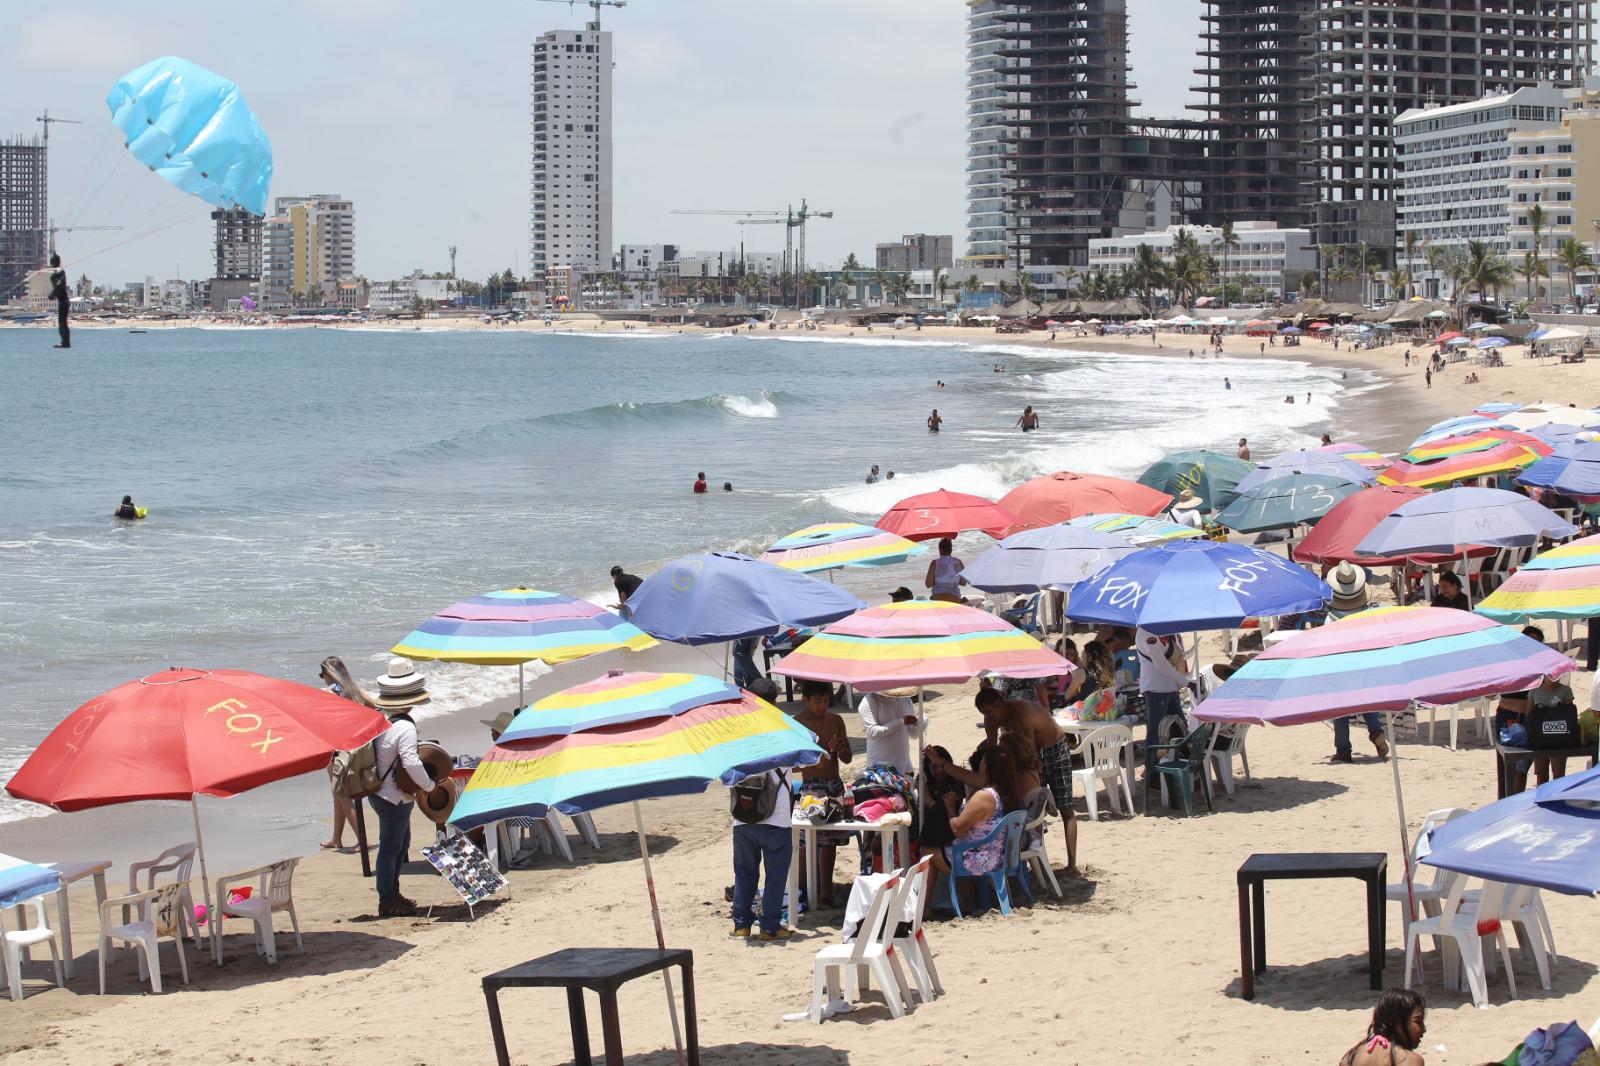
(1400,805)
(521,699)
(205,877)
(655,917)
(922,733)
(726,650)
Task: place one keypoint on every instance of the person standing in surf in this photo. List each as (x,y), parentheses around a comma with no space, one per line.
(1029,420)
(62,297)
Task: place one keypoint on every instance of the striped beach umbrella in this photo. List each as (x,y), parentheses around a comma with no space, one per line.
(1455,427)
(831,545)
(1563,582)
(1499,459)
(1357,453)
(515,626)
(1138,529)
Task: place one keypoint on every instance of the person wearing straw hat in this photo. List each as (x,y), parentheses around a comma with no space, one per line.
(1186,510)
(398,691)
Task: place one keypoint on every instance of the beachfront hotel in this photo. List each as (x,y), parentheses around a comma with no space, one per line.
(1267,257)
(1557,165)
(308,247)
(569,219)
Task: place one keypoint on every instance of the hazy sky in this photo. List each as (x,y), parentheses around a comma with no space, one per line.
(420,113)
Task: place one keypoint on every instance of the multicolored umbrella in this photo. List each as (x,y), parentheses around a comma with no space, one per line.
(1189,585)
(1285,502)
(1455,427)
(515,626)
(919,642)
(1499,459)
(934,515)
(1060,497)
(1563,582)
(1479,440)
(1140,530)
(1316,462)
(1050,558)
(1495,408)
(1384,659)
(1357,453)
(615,699)
(1210,475)
(832,545)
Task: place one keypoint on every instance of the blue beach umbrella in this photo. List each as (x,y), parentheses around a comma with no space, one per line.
(1316,461)
(1549,838)
(1052,557)
(1190,585)
(1573,468)
(1285,502)
(1492,342)
(1559,433)
(723,596)
(1455,427)
(1450,521)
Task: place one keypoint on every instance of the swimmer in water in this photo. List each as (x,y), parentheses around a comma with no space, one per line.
(126,509)
(934,421)
(1029,420)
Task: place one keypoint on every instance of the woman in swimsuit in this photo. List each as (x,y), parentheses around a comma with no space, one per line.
(1397,1029)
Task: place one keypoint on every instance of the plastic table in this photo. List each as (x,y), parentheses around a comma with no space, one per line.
(1371,867)
(895,838)
(71,872)
(603,970)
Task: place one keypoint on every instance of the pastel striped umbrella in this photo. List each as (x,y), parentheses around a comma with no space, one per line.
(1563,582)
(919,642)
(1357,453)
(1496,460)
(615,699)
(831,545)
(1138,529)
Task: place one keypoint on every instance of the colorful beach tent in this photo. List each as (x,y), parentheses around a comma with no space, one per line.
(831,545)
(724,596)
(1563,582)
(934,515)
(1189,585)
(1050,558)
(1210,475)
(1062,496)
(1285,502)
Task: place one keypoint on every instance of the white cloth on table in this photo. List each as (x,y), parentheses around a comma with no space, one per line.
(883,719)
(862,893)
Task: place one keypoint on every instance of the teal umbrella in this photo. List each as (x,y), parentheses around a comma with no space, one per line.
(1209,475)
(1284,502)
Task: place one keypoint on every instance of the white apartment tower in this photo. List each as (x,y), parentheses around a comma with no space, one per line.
(570,178)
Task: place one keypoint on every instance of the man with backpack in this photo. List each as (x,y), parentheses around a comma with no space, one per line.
(761,820)
(396,753)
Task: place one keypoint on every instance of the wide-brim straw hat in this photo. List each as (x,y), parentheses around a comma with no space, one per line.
(439,802)
(386,702)
(1349,584)
(500,722)
(402,678)
(1187,501)
(905,692)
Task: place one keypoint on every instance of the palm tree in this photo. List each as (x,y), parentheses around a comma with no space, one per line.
(1410,252)
(941,284)
(1327,255)
(1532,269)
(1147,273)
(1482,269)
(1364,262)
(972,286)
(1398,281)
(1537,220)
(1574,257)
(881,279)
(1026,289)
(810,282)
(1227,240)
(1308,283)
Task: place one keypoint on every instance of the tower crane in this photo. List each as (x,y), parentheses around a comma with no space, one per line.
(45,120)
(794,248)
(53,229)
(596,4)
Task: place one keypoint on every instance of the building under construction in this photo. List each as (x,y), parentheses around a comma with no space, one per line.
(24,212)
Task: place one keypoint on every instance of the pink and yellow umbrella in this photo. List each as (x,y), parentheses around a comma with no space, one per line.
(1478,441)
(1499,459)
(1357,453)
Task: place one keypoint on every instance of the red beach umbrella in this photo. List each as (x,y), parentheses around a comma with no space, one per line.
(1063,496)
(932,515)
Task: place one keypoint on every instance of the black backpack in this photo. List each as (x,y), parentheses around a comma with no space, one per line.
(754,799)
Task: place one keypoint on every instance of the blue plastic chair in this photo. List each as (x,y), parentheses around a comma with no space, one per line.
(1026,616)
(996,880)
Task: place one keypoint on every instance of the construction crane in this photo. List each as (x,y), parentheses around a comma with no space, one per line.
(794,248)
(54,229)
(596,4)
(45,120)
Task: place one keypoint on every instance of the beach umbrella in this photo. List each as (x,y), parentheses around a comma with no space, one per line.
(1496,459)
(1211,476)
(1545,838)
(1531,418)
(934,515)
(1458,342)
(1492,342)
(1482,327)
(1572,468)
(1189,585)
(181,733)
(1357,453)
(1556,434)
(1290,329)
(513,627)
(1059,497)
(1538,334)
(1437,314)
(1455,427)
(1563,582)
(725,596)
(1319,326)
(1049,558)
(1448,335)
(1479,440)
(1446,522)
(1141,530)
(1495,408)
(1325,464)
(1285,502)
(628,737)
(832,545)
(1333,540)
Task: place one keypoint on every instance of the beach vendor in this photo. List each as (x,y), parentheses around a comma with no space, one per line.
(889,720)
(822,779)
(399,690)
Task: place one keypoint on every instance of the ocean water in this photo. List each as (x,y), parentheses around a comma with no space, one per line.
(322,491)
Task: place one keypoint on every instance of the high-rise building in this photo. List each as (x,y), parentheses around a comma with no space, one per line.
(24,212)
(917,251)
(1375,60)
(1556,169)
(237,253)
(991,81)
(308,248)
(1259,72)
(570,177)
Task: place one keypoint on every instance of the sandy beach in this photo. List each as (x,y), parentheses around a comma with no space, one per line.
(1139,961)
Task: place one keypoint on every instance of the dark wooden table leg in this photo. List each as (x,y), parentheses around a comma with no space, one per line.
(691,1028)
(578,1018)
(1258,899)
(1375,941)
(361,837)
(497,1030)
(611,1028)
(1247,974)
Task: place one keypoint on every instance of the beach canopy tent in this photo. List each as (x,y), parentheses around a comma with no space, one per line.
(1544,837)
(1211,476)
(1572,468)
(1053,557)
(832,545)
(1314,461)
(1189,585)
(1449,521)
(1059,497)
(719,597)
(1563,582)
(1285,502)
(513,627)
(183,733)
(939,514)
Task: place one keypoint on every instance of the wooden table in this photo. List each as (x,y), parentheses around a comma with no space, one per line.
(602,970)
(71,872)
(1504,754)
(1370,867)
(894,838)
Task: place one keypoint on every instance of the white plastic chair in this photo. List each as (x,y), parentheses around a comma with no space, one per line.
(1521,909)
(914,944)
(1463,928)
(1428,894)
(1478,705)
(1220,760)
(872,951)
(178,861)
(274,893)
(1103,754)
(1034,852)
(17,941)
(161,914)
